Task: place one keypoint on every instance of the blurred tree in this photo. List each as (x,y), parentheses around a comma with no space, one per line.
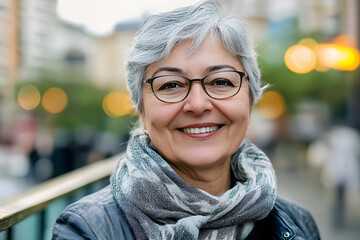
(84,105)
(331,87)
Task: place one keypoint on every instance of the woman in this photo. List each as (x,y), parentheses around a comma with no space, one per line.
(189,172)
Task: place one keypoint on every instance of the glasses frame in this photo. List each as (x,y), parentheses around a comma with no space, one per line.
(201,80)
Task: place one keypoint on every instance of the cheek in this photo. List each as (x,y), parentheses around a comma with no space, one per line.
(158,116)
(237,111)
(244,108)
(240,117)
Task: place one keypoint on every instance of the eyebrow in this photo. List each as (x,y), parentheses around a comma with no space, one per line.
(218,67)
(168,69)
(180,71)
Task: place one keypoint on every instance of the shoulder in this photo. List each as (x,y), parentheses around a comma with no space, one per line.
(297,218)
(286,220)
(95,216)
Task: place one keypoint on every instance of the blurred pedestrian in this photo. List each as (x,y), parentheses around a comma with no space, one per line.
(342,167)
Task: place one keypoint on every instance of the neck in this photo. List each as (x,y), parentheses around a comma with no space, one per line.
(215,180)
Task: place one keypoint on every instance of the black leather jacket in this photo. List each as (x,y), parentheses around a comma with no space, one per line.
(97,217)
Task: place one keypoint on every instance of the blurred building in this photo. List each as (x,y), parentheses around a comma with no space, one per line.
(47,42)
(331,17)
(320,15)
(109,55)
(32,41)
(37,23)
(9,49)
(256,13)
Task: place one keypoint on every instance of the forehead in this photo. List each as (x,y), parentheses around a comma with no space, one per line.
(210,52)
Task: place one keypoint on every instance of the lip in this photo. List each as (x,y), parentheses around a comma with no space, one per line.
(201,125)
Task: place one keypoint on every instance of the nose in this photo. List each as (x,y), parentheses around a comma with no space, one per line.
(197,101)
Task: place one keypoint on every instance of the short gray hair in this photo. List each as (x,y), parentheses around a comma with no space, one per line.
(160,33)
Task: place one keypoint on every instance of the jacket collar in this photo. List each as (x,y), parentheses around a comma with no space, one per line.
(277,226)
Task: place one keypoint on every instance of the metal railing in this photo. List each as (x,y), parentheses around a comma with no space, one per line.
(37,200)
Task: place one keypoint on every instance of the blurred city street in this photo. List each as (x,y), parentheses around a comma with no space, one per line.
(303,186)
(299,184)
(64,101)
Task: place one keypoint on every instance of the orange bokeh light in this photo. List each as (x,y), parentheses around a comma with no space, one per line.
(341,54)
(29,97)
(54,100)
(117,103)
(308,42)
(272,105)
(338,57)
(345,41)
(300,59)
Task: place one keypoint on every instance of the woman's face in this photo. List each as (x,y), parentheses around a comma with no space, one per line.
(169,125)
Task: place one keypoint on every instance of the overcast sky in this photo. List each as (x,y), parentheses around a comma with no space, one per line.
(100,16)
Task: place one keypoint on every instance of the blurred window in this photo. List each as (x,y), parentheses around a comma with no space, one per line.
(74,56)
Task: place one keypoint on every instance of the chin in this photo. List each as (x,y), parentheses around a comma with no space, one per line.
(203,160)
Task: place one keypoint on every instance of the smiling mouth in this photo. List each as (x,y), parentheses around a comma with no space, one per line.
(200,130)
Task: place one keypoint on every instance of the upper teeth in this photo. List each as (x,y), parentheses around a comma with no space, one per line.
(201,130)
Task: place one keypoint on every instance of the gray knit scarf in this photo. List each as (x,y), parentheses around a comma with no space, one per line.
(159,205)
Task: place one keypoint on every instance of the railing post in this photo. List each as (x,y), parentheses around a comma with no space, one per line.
(9,234)
(42,223)
(36,200)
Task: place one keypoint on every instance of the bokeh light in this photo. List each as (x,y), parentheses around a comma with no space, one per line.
(313,45)
(341,54)
(308,42)
(117,103)
(338,57)
(54,100)
(345,41)
(321,68)
(300,59)
(272,105)
(29,97)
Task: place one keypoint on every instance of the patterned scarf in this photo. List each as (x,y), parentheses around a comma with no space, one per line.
(159,205)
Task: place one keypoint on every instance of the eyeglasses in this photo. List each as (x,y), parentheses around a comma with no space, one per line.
(175,88)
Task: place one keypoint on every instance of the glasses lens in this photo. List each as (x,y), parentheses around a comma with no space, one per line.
(223,84)
(170,88)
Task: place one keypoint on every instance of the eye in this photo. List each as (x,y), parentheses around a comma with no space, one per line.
(221,82)
(170,85)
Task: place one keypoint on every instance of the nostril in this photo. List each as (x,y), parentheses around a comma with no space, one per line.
(197,102)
